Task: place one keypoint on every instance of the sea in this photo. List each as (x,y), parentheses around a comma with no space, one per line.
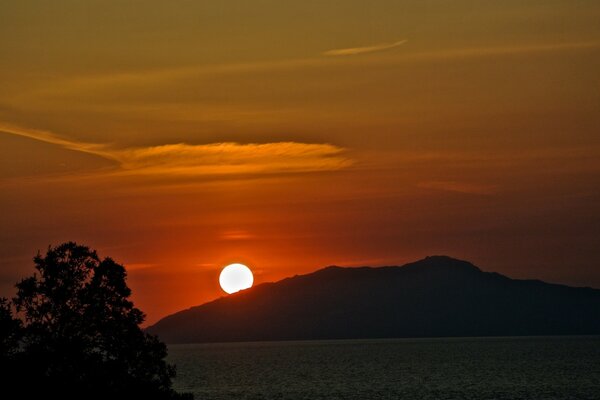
(413,369)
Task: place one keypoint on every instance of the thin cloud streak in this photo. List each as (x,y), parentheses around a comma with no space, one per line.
(232,158)
(155,77)
(362,50)
(500,50)
(205,159)
(51,138)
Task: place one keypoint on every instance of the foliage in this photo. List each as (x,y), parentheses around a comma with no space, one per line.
(10,331)
(80,335)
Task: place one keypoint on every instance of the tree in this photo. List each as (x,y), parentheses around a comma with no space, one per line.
(81,334)
(10,331)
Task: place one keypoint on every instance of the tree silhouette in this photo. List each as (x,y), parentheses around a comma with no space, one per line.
(10,331)
(80,335)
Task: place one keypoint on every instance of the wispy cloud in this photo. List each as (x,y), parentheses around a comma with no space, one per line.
(231,158)
(351,51)
(472,52)
(237,235)
(49,137)
(205,159)
(74,86)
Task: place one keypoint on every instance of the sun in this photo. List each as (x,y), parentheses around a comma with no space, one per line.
(236,277)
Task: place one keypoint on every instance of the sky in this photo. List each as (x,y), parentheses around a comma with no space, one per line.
(178,137)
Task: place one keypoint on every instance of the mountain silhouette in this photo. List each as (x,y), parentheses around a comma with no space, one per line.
(435,297)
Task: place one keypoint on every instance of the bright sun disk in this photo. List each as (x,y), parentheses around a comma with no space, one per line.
(236,277)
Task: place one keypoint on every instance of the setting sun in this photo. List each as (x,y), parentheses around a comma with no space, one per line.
(236,277)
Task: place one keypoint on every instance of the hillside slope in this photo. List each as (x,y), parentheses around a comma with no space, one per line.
(436,296)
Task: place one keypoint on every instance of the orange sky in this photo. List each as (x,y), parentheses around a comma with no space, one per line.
(177,137)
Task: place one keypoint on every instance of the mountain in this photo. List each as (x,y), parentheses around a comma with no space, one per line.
(433,297)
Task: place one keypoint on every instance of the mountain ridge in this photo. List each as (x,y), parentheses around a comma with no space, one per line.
(432,297)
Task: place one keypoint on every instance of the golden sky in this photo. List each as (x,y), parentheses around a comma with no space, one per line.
(180,136)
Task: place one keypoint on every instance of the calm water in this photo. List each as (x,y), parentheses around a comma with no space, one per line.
(469,368)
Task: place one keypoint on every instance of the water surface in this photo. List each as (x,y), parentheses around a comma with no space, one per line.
(456,368)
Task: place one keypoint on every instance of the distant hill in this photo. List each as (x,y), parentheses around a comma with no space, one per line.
(433,297)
